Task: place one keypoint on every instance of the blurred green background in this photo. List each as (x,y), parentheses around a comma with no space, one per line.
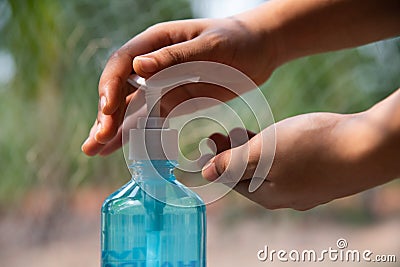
(51,56)
(58,50)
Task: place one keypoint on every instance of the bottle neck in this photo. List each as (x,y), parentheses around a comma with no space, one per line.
(153,170)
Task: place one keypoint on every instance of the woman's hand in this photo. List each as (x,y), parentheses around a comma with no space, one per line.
(231,41)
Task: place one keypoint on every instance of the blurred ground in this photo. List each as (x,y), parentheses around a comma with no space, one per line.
(71,236)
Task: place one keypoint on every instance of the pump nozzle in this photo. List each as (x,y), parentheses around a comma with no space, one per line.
(153,89)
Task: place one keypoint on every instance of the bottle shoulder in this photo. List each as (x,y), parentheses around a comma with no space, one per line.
(132,196)
(128,195)
(185,196)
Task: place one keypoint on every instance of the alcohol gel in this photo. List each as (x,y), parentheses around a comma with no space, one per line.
(153,220)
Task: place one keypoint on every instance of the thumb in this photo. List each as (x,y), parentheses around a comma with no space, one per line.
(192,50)
(251,160)
(233,165)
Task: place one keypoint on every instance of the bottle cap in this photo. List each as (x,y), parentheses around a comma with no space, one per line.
(153,140)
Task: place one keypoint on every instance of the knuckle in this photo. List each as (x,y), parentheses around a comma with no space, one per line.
(175,56)
(301,206)
(252,165)
(157,27)
(115,55)
(222,165)
(121,54)
(272,206)
(216,39)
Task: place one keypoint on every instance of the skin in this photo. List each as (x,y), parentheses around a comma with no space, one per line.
(319,156)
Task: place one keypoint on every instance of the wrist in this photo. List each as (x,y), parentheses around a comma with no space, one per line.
(383,120)
(262,22)
(369,150)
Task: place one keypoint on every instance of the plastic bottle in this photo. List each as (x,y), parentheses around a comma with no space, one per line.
(153,220)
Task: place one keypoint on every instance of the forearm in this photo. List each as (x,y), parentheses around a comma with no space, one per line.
(384,121)
(371,142)
(303,27)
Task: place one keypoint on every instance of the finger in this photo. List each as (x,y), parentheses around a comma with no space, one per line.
(113,145)
(234,164)
(112,82)
(239,136)
(121,137)
(119,65)
(113,86)
(91,147)
(218,143)
(108,125)
(221,142)
(180,94)
(192,50)
(111,123)
(113,79)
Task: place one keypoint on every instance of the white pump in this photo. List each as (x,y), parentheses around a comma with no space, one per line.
(153,139)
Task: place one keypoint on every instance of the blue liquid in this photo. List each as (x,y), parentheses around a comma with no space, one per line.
(141,231)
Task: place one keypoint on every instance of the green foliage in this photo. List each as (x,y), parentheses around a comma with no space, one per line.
(345,82)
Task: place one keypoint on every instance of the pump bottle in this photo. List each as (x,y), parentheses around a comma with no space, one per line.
(153,220)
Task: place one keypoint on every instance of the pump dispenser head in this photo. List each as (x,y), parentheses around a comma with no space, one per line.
(152,139)
(153,90)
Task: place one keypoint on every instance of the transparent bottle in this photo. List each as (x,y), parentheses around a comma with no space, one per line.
(153,220)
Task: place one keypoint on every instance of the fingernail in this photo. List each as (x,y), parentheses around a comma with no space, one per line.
(209,171)
(103,102)
(98,130)
(148,65)
(84,143)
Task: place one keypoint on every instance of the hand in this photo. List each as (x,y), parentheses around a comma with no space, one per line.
(255,42)
(319,157)
(230,41)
